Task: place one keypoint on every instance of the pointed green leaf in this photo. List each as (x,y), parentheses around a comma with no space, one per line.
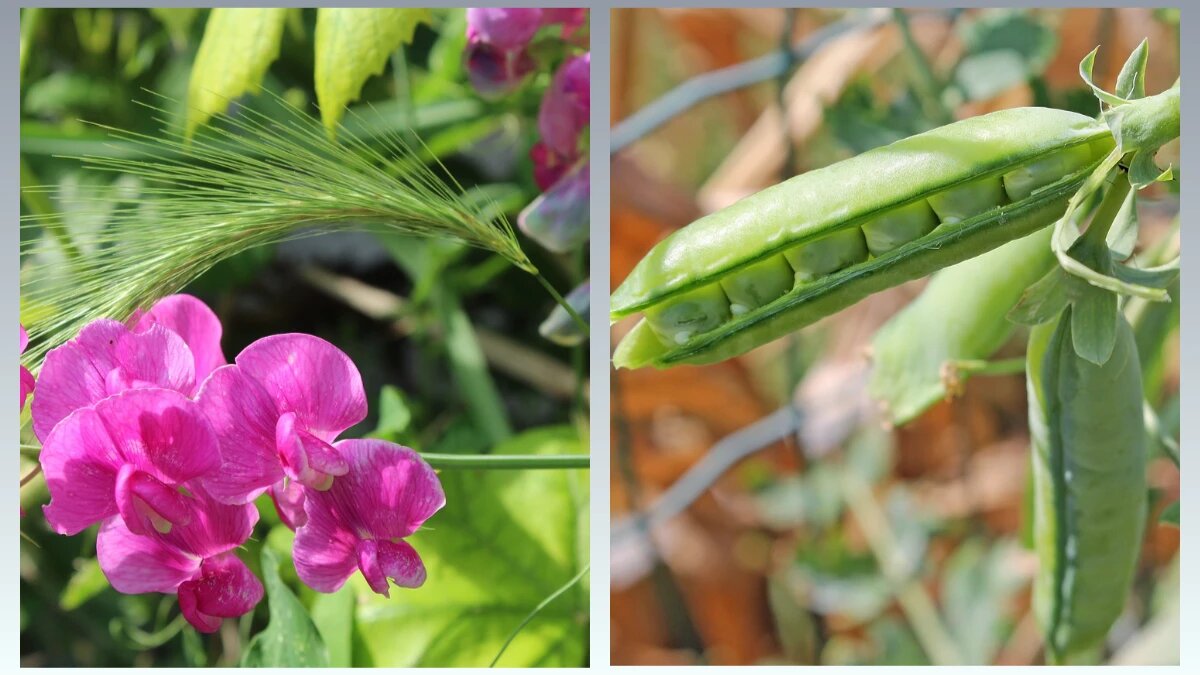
(1094,324)
(1131,82)
(239,45)
(87,582)
(290,639)
(351,46)
(1043,301)
(333,615)
(1143,171)
(1122,236)
(1085,71)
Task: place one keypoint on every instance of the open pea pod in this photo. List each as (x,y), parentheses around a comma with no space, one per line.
(969,304)
(806,248)
(1089,463)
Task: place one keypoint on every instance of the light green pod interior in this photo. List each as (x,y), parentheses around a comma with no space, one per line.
(693,312)
(899,227)
(1022,181)
(827,255)
(970,199)
(756,285)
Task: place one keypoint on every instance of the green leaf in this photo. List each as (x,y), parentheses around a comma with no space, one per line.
(1143,171)
(977,589)
(87,582)
(239,45)
(1154,277)
(394,414)
(505,541)
(1094,324)
(290,639)
(1131,82)
(1170,515)
(1042,301)
(333,615)
(351,46)
(1085,71)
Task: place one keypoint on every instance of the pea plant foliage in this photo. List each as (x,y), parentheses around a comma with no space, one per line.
(243,493)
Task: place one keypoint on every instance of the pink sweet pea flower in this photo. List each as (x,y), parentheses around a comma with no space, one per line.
(275,412)
(508,28)
(361,521)
(193,560)
(565,110)
(191,319)
(127,455)
(107,358)
(27,382)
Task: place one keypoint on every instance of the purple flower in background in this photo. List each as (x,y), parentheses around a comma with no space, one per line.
(193,560)
(106,358)
(558,219)
(361,521)
(191,320)
(27,382)
(127,455)
(494,72)
(565,110)
(275,413)
(506,28)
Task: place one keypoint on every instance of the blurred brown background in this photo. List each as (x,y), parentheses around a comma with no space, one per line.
(766,567)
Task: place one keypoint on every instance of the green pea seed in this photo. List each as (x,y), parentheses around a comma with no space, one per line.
(689,314)
(757,284)
(1022,181)
(827,255)
(899,227)
(968,200)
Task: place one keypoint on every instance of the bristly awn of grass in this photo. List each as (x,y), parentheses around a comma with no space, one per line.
(247,181)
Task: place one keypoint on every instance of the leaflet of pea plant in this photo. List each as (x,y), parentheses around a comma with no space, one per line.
(285,398)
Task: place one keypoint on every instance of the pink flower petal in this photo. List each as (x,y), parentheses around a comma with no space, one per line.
(495,72)
(214,528)
(289,503)
(224,588)
(307,459)
(566,107)
(27,385)
(192,320)
(243,416)
(147,505)
(105,353)
(389,492)
(380,560)
(310,377)
(508,28)
(158,432)
(24,340)
(324,550)
(137,564)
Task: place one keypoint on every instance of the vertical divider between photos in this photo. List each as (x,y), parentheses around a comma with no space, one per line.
(600,370)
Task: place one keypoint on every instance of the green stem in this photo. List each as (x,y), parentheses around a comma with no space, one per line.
(985,367)
(1106,213)
(582,323)
(541,605)
(518,462)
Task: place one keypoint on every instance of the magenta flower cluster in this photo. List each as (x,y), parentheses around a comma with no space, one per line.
(498,62)
(148,431)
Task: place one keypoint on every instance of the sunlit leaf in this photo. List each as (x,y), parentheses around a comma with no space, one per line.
(505,541)
(290,639)
(239,45)
(351,46)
